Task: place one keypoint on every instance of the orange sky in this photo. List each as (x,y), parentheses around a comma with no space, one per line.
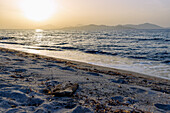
(83,12)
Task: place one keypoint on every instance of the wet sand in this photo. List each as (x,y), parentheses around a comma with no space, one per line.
(24,78)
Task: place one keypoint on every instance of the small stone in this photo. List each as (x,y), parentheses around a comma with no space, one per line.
(119,86)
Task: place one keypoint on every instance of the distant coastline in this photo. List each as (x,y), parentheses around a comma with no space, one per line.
(117,27)
(106,27)
(93,27)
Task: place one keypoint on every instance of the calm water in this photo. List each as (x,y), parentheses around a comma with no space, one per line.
(151,46)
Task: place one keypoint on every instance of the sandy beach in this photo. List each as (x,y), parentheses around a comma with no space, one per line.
(31,83)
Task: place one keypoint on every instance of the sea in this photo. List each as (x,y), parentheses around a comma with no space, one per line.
(141,51)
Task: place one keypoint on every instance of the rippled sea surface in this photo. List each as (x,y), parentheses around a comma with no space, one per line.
(148,45)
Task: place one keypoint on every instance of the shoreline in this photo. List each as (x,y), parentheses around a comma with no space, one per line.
(24,76)
(142,67)
(85,66)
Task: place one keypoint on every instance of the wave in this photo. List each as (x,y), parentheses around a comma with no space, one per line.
(12,43)
(136,44)
(7,38)
(150,39)
(99,52)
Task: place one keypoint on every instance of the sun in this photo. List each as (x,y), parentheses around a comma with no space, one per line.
(38,10)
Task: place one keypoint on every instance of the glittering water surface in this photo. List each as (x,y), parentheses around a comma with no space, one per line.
(149,49)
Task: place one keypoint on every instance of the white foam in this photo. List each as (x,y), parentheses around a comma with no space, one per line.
(152,68)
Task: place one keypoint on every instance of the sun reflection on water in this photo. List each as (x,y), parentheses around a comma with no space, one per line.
(38,30)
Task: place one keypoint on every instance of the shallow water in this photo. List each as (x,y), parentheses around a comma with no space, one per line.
(143,51)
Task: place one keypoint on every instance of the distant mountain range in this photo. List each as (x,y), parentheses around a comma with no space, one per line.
(92,27)
(104,27)
(96,27)
(144,26)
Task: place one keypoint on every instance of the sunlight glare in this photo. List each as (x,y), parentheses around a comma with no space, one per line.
(38,10)
(38,30)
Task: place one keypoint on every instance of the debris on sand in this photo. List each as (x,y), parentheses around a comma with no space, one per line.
(129,111)
(67,89)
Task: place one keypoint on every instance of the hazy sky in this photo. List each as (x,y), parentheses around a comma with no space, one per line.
(82,12)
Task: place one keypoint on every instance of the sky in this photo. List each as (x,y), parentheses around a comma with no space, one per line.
(64,13)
